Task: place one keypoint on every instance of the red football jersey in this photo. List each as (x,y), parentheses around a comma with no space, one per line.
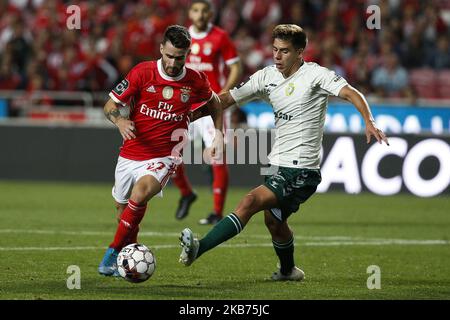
(159,105)
(209,51)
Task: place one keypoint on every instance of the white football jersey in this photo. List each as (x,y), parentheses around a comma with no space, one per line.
(299,104)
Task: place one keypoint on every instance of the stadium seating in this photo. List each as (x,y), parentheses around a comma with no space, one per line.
(424,82)
(443,84)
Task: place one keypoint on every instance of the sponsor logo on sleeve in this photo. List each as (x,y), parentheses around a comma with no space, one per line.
(337,78)
(269,87)
(121,87)
(243,83)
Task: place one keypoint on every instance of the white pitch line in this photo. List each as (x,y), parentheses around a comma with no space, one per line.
(250,245)
(378,243)
(48,248)
(153,234)
(314,241)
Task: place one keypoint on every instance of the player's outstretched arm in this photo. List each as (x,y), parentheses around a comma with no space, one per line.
(357,99)
(125,126)
(225,100)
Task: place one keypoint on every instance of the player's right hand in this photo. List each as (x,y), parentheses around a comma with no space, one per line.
(373,130)
(126,129)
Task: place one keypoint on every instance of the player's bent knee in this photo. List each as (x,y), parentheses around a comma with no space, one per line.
(247,203)
(140,196)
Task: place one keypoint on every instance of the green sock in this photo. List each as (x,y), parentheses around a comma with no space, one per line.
(285,252)
(226,229)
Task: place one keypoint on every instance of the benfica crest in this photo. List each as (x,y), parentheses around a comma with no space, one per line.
(185,94)
(207,48)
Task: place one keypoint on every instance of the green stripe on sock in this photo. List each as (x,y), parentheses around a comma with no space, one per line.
(236,221)
(283,245)
(225,229)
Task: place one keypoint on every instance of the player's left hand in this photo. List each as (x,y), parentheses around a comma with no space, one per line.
(217,148)
(372,130)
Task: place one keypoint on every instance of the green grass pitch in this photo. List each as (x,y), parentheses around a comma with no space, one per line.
(46,227)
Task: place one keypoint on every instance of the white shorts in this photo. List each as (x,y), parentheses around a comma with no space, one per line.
(128,172)
(204,127)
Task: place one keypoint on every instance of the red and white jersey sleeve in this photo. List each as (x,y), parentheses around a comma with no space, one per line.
(204,92)
(228,49)
(128,87)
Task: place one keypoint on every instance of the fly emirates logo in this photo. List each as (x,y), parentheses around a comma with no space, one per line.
(197,64)
(161,113)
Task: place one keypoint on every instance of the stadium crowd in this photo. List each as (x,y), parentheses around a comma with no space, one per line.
(39,52)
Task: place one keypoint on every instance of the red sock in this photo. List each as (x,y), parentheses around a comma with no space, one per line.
(133,236)
(129,222)
(220,187)
(181,181)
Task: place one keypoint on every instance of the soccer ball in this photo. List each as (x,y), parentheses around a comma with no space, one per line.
(136,263)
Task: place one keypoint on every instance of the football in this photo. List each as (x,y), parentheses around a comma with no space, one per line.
(136,263)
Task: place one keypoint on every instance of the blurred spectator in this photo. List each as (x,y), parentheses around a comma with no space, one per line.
(37,84)
(250,51)
(9,78)
(413,52)
(439,55)
(409,21)
(258,14)
(391,79)
(300,13)
(229,18)
(20,48)
(359,67)
(432,23)
(312,50)
(328,60)
(38,51)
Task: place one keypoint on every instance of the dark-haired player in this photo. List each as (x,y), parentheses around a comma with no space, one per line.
(160,95)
